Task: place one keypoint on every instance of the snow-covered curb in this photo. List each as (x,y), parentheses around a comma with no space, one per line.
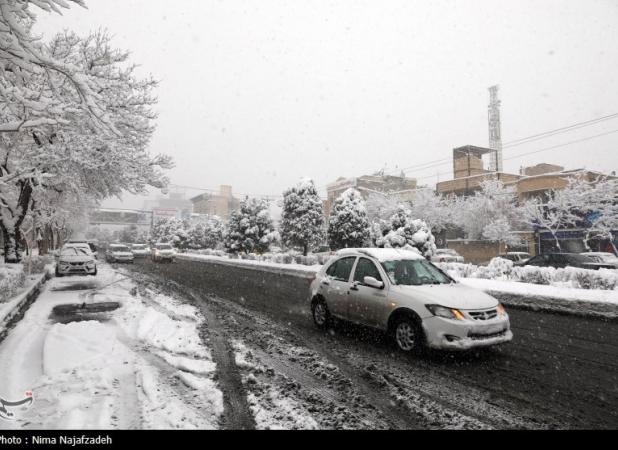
(584,302)
(298,270)
(17,305)
(581,302)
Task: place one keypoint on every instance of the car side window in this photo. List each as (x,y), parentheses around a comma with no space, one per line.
(340,270)
(366,268)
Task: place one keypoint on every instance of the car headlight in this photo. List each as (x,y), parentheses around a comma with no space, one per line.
(501,310)
(447,313)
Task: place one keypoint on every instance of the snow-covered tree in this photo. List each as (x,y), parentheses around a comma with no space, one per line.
(380,206)
(603,211)
(84,122)
(493,207)
(434,209)
(561,208)
(206,233)
(302,218)
(404,231)
(348,225)
(170,230)
(251,228)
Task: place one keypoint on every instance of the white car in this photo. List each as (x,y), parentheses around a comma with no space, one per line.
(75,260)
(403,294)
(447,255)
(140,250)
(162,251)
(119,253)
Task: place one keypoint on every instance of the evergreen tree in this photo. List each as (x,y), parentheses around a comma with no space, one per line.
(348,225)
(302,218)
(250,228)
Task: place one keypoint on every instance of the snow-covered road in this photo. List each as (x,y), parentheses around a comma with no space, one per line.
(142,365)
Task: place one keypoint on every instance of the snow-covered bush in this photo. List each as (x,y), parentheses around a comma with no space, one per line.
(348,225)
(37,263)
(502,269)
(250,228)
(302,220)
(403,231)
(12,278)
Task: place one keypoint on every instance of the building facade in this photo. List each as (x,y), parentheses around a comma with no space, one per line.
(221,204)
(400,187)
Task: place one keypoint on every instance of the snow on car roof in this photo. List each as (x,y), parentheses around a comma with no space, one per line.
(382,254)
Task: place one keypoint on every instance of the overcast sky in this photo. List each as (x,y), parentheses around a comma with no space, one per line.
(257,94)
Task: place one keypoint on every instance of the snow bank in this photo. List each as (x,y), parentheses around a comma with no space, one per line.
(291,269)
(569,277)
(278,258)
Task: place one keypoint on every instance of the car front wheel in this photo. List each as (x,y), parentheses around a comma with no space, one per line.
(320,313)
(408,335)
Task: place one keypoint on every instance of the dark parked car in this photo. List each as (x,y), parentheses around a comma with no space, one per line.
(559,260)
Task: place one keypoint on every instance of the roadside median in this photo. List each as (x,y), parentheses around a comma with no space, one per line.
(591,303)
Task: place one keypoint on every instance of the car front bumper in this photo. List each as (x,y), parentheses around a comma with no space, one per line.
(76,269)
(466,334)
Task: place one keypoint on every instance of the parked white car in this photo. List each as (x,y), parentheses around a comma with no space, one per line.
(402,293)
(75,260)
(119,253)
(162,252)
(447,255)
(140,250)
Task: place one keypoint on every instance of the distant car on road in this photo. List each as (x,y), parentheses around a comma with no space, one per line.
(140,250)
(402,293)
(162,252)
(119,253)
(447,255)
(603,257)
(518,258)
(560,260)
(75,260)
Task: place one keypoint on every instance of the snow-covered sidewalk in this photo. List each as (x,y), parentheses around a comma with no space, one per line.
(142,365)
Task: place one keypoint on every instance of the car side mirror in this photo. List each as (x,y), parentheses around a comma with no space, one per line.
(372,282)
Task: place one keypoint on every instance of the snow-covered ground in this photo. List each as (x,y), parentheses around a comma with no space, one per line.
(140,366)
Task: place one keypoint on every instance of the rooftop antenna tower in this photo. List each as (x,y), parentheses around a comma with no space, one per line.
(495,136)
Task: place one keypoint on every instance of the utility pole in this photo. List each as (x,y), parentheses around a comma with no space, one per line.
(495,135)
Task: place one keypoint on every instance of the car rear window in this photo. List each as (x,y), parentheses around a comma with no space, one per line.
(120,248)
(164,246)
(340,269)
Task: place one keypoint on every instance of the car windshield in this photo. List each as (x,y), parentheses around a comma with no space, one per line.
(164,246)
(75,251)
(139,246)
(446,251)
(120,248)
(414,272)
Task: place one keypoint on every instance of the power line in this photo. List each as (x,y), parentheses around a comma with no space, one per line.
(513,143)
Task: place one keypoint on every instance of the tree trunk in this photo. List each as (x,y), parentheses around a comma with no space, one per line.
(305,249)
(13,244)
